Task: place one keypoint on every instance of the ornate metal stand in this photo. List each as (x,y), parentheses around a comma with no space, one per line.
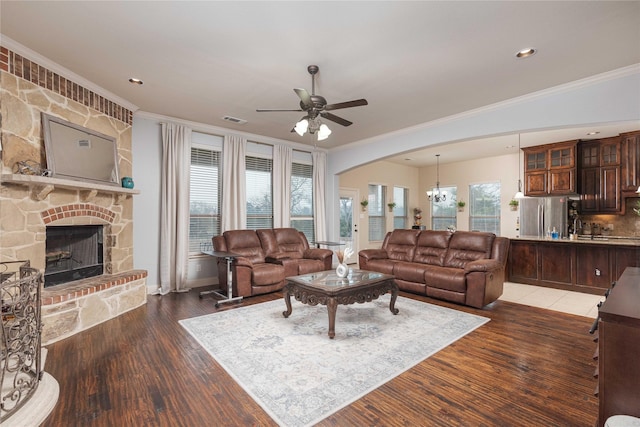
(20,353)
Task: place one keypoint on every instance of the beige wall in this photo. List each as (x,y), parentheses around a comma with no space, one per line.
(387,174)
(503,169)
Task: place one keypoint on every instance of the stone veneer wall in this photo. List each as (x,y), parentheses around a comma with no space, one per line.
(26,90)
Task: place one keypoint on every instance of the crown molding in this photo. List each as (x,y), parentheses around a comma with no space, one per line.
(64,72)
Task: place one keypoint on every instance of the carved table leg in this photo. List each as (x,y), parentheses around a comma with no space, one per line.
(287,299)
(394,295)
(332,307)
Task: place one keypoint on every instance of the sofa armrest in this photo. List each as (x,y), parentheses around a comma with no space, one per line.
(276,258)
(370,254)
(483,265)
(319,254)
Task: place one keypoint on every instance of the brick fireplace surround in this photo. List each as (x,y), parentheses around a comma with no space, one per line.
(28,204)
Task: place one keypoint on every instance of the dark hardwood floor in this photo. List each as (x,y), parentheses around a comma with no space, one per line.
(526,367)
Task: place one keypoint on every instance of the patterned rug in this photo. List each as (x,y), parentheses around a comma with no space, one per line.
(298,375)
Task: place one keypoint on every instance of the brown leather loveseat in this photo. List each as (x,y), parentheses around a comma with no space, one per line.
(463,267)
(267,257)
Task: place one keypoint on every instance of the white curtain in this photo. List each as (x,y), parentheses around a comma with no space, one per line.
(319,180)
(234,208)
(282,158)
(174,208)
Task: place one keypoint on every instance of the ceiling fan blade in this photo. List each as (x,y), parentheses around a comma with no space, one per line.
(304,97)
(348,104)
(336,119)
(264,110)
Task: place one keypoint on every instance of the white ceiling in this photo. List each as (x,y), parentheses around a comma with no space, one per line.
(413,61)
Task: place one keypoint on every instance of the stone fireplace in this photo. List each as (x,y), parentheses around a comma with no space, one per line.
(31,206)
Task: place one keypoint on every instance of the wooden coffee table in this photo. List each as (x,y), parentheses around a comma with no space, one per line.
(328,289)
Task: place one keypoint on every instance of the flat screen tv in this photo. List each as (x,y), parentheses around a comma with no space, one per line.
(75,152)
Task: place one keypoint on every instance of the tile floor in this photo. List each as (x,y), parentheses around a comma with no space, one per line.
(552,299)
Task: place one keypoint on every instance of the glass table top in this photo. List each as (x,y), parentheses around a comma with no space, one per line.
(330,278)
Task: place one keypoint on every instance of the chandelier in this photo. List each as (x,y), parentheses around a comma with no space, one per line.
(312,125)
(437,195)
(519,194)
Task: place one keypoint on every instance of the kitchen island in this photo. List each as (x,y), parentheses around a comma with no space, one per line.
(581,265)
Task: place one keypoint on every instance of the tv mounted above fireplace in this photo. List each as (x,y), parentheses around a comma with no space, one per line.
(79,153)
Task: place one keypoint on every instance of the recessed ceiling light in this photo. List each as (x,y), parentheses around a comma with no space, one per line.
(525,53)
(135,81)
(593,133)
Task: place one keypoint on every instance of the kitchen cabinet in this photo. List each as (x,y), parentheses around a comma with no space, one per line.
(599,184)
(550,169)
(630,162)
(583,266)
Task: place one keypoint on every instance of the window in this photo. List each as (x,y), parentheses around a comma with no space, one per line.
(484,207)
(302,199)
(400,209)
(444,212)
(259,192)
(377,205)
(204,194)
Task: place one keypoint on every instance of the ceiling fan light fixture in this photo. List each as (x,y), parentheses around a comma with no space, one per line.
(301,127)
(323,132)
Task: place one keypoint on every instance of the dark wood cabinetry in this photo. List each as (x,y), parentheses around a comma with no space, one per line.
(599,184)
(577,266)
(619,346)
(550,169)
(630,162)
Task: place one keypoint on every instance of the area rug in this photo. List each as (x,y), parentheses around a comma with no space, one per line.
(298,375)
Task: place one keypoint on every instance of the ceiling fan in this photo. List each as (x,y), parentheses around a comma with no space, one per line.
(316,105)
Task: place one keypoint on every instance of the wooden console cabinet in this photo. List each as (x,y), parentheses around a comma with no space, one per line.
(619,347)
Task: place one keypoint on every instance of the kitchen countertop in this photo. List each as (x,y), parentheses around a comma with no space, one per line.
(582,239)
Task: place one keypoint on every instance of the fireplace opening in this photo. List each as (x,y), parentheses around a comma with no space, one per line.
(73,253)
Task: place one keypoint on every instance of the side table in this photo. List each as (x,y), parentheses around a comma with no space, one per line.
(229,257)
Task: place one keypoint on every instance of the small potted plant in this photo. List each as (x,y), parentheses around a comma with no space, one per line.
(391,206)
(364,203)
(461,204)
(513,204)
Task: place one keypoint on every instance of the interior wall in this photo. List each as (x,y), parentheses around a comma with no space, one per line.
(503,169)
(383,173)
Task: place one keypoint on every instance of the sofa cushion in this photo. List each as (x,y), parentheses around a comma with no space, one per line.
(467,246)
(432,247)
(409,271)
(449,278)
(245,243)
(267,274)
(402,244)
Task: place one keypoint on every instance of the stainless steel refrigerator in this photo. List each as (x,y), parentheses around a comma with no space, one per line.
(539,215)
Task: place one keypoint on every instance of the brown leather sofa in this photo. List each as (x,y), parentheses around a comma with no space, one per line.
(463,267)
(267,257)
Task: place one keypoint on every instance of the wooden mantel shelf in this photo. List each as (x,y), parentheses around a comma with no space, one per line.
(43,185)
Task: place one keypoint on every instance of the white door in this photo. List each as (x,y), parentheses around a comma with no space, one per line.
(349,221)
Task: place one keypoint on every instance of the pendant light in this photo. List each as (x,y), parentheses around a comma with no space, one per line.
(519,194)
(437,195)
